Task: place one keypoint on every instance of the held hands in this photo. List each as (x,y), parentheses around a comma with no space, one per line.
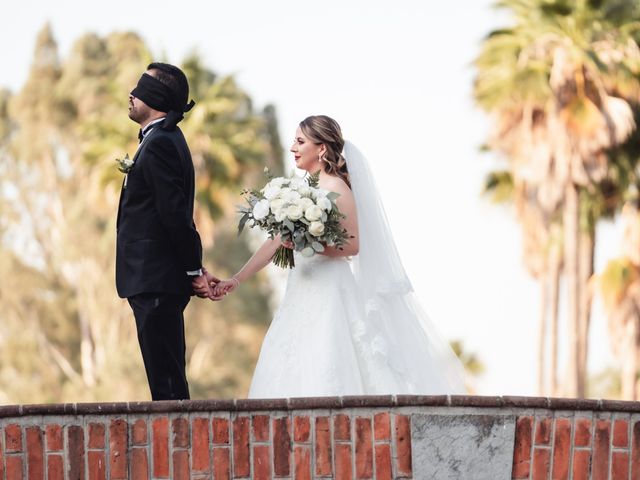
(224,287)
(204,285)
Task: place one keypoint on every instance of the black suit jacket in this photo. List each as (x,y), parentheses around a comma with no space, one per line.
(157,241)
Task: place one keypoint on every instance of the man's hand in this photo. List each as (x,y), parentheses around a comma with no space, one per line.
(201,286)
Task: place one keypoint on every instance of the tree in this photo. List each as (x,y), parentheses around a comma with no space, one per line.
(542,257)
(619,282)
(67,337)
(558,84)
(472,364)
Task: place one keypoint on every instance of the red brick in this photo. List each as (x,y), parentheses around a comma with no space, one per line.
(583,432)
(139,464)
(281,446)
(35,453)
(382,426)
(180,432)
(13,438)
(522,448)
(118,461)
(221,464)
(543,431)
(53,434)
(343,462)
(181,465)
(220,430)
(55,467)
(139,432)
(160,442)
(96,435)
(301,429)
(15,468)
(619,466)
(261,462)
(323,446)
(541,462)
(561,449)
(403,445)
(383,462)
(364,448)
(621,433)
(75,455)
(581,464)
(302,461)
(601,438)
(260,427)
(97,465)
(342,427)
(200,445)
(241,466)
(635,451)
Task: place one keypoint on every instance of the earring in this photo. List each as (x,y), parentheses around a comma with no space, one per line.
(319,158)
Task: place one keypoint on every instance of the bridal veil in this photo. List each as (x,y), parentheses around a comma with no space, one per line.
(396,338)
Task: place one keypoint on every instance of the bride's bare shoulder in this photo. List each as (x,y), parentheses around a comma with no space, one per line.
(334,184)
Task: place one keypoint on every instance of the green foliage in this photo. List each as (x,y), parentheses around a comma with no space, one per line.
(606,383)
(66,335)
(499,186)
(617,276)
(472,363)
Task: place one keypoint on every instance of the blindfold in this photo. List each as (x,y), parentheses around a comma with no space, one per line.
(162,98)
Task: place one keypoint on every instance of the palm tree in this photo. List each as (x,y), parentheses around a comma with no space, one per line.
(620,280)
(472,364)
(542,256)
(558,84)
(620,290)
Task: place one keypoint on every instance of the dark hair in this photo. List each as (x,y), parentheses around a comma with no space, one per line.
(174,78)
(323,130)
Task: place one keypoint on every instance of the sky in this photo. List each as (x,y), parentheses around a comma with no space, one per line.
(398,77)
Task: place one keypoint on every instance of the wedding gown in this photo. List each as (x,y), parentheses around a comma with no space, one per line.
(354,327)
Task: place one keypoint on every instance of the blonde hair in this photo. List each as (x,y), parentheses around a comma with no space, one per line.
(324,130)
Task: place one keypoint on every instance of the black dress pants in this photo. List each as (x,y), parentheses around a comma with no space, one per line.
(160,323)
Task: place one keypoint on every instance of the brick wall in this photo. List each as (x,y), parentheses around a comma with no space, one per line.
(344,438)
(219,439)
(577,445)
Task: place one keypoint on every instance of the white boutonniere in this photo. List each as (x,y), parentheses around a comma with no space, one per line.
(125,165)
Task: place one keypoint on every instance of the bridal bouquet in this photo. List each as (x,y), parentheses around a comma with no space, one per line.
(298,211)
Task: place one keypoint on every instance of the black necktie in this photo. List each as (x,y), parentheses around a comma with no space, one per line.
(140,136)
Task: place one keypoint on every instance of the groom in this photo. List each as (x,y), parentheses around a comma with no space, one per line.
(158,250)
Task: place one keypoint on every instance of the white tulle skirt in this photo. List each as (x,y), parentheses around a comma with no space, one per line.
(324,341)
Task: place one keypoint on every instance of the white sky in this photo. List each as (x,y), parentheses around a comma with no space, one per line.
(397,76)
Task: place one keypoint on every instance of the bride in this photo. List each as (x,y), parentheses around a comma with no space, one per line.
(349,322)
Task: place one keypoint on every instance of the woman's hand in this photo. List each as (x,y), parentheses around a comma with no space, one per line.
(223,287)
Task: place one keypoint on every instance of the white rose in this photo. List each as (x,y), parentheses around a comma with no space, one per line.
(305,203)
(320,193)
(277,182)
(261,209)
(294,212)
(276,204)
(271,191)
(280,215)
(296,183)
(313,213)
(325,204)
(316,229)
(291,196)
(304,190)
